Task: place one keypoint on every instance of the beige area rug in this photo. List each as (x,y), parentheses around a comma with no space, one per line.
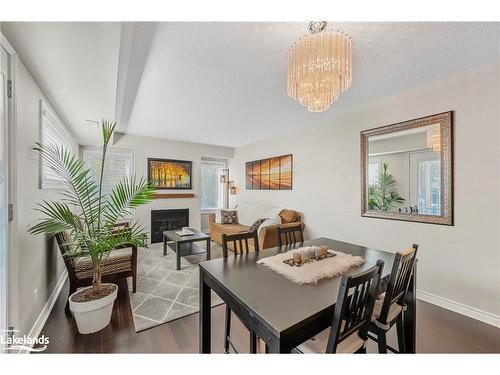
(313,272)
(163,293)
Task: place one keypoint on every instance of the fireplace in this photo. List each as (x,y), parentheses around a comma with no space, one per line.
(162,220)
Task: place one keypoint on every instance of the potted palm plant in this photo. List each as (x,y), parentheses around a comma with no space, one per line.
(383,195)
(88,217)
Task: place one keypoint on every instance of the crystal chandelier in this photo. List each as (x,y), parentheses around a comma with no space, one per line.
(434,139)
(319,67)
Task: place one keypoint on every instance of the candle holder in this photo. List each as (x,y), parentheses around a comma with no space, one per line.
(324,250)
(297,257)
(317,253)
(309,255)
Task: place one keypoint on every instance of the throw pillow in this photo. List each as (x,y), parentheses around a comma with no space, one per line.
(229,216)
(256,225)
(289,216)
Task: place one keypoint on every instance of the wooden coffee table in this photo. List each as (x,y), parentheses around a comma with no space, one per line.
(185,245)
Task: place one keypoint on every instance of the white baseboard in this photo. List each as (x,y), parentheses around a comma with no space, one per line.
(460,308)
(44,314)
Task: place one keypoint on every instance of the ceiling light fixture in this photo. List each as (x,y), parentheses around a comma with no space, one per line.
(319,67)
(434,139)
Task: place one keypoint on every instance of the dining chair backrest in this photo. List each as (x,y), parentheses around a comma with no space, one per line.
(354,306)
(399,280)
(240,243)
(290,235)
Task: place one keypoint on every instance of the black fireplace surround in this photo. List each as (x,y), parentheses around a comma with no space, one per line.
(162,220)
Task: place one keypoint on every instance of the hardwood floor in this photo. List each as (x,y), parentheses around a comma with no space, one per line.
(438,331)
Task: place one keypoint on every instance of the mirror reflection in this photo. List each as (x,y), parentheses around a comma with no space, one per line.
(404,171)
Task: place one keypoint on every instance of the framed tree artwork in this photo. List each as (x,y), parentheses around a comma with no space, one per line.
(170,174)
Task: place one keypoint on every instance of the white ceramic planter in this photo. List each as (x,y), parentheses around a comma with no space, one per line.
(93,316)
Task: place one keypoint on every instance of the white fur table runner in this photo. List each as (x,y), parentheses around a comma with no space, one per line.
(311,273)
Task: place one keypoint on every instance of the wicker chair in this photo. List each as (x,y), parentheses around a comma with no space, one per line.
(120,263)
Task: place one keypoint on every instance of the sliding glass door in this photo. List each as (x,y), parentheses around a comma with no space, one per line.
(212,191)
(3,195)
(425,182)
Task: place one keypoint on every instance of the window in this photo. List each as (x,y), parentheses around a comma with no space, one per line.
(53,133)
(119,164)
(212,191)
(374,171)
(429,187)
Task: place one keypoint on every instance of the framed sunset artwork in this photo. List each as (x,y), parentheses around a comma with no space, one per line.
(169,174)
(270,174)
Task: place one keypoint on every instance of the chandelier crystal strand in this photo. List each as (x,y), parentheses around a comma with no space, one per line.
(319,69)
(434,139)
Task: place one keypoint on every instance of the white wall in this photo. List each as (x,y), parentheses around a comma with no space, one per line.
(461,262)
(39,262)
(145,147)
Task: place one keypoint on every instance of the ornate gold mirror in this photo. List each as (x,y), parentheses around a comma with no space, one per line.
(406,170)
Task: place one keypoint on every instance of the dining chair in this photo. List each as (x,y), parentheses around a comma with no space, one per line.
(289,236)
(352,314)
(240,245)
(389,308)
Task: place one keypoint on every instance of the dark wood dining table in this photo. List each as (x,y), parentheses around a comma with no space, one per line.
(280,312)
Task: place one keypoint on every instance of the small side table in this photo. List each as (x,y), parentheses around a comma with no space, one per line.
(185,245)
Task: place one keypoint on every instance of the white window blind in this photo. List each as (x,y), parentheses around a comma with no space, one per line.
(53,133)
(119,165)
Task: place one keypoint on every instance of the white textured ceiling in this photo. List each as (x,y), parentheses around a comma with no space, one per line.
(75,63)
(225,83)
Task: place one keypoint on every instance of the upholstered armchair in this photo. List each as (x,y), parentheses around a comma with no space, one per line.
(120,263)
